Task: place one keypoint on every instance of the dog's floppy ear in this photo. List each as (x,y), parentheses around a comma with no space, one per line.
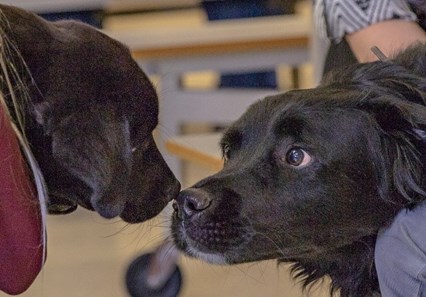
(393,94)
(401,127)
(413,59)
(402,75)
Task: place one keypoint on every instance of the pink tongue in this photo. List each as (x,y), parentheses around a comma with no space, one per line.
(21,245)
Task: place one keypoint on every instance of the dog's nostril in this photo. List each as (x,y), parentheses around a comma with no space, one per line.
(195,204)
(191,202)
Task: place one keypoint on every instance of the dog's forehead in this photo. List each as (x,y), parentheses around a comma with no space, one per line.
(312,113)
(89,67)
(297,103)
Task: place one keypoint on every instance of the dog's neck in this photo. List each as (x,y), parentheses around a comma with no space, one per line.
(351,269)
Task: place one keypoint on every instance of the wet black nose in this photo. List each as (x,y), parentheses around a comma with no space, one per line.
(191,202)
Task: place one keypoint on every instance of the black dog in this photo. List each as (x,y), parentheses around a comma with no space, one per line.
(310,176)
(89,117)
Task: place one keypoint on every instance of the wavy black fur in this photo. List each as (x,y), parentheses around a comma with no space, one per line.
(88,113)
(395,95)
(364,130)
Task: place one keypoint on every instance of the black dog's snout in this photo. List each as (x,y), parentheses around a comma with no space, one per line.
(191,202)
(173,191)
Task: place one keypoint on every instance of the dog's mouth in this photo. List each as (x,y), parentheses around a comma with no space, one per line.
(232,241)
(133,208)
(215,241)
(195,248)
(149,204)
(59,203)
(197,245)
(233,246)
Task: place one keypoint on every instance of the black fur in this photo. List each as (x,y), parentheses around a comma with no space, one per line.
(310,176)
(89,118)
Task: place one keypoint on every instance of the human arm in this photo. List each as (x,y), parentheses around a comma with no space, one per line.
(389,36)
(390,25)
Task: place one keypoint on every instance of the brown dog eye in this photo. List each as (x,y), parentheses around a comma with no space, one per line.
(297,157)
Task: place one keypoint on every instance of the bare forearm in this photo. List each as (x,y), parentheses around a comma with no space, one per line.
(390,36)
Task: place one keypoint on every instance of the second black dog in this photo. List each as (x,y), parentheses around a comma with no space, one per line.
(310,176)
(89,117)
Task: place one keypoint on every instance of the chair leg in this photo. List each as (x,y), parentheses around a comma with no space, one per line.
(155,274)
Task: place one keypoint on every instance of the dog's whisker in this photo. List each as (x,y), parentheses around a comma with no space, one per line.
(170,249)
(120,231)
(139,242)
(274,242)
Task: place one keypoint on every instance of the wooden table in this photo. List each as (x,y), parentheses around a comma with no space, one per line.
(231,45)
(226,36)
(200,149)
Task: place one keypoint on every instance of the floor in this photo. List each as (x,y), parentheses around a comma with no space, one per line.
(88,256)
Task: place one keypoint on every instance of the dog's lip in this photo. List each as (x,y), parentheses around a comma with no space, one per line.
(208,237)
(176,210)
(61,208)
(196,249)
(132,217)
(173,192)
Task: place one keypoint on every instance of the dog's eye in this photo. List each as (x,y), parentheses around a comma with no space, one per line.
(297,157)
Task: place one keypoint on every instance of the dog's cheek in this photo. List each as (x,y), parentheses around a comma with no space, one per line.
(107,181)
(94,147)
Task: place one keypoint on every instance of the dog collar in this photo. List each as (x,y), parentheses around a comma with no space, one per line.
(21,244)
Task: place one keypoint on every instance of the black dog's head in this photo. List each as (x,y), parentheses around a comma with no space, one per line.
(310,176)
(89,119)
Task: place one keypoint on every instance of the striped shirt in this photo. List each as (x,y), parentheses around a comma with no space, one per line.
(336,18)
